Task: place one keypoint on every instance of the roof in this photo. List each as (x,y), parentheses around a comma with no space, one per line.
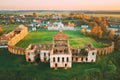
(60,36)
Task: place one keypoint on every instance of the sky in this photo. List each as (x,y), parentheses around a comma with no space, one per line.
(59,4)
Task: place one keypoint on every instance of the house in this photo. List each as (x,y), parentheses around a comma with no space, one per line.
(115,28)
(88,30)
(59,26)
(84,26)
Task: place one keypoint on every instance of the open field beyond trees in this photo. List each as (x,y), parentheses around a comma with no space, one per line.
(59,12)
(76,39)
(105,15)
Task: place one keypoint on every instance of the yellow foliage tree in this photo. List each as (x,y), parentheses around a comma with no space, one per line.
(12,20)
(83,31)
(96,31)
(111,35)
(1,30)
(71,24)
(35,14)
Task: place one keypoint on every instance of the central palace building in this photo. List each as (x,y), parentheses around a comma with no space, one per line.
(59,53)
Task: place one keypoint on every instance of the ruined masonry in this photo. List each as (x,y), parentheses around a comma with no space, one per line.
(59,53)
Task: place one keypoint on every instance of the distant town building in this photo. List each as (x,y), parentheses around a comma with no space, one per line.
(60,26)
(115,28)
(84,26)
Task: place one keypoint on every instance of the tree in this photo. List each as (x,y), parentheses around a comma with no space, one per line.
(104,26)
(1,30)
(12,20)
(35,14)
(111,35)
(83,31)
(96,31)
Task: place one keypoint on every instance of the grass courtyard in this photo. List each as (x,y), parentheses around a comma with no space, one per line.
(76,39)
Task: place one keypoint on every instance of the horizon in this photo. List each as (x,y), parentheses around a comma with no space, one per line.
(82,5)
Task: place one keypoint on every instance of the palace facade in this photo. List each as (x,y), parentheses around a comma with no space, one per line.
(59,53)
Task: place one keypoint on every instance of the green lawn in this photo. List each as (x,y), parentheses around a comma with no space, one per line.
(75,37)
(14,67)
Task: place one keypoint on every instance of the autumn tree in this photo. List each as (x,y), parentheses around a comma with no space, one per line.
(35,14)
(1,30)
(104,26)
(83,31)
(96,31)
(12,20)
(111,35)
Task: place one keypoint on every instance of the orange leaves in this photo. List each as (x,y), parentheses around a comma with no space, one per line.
(1,30)
(111,35)
(96,31)
(12,20)
(83,31)
(35,14)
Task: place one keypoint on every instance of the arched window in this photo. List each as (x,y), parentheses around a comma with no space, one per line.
(28,53)
(53,59)
(55,64)
(56,50)
(93,53)
(29,59)
(45,59)
(60,51)
(82,59)
(44,54)
(76,59)
(63,59)
(65,65)
(92,60)
(67,59)
(72,58)
(86,59)
(58,59)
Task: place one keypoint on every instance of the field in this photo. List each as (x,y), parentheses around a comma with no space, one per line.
(105,15)
(76,39)
(100,14)
(14,67)
(31,12)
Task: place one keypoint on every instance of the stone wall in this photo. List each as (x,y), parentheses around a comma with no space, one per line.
(18,35)
(23,31)
(16,50)
(106,50)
